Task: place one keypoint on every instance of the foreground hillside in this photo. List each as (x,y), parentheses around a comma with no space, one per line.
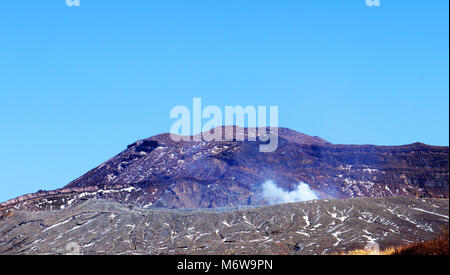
(314,227)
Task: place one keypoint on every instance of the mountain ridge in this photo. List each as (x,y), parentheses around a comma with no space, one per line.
(160,172)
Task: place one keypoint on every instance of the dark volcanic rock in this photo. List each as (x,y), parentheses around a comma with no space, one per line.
(190,174)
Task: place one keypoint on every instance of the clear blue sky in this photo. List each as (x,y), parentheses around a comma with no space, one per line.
(79,84)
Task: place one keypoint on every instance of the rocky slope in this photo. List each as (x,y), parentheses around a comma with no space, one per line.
(314,227)
(158,172)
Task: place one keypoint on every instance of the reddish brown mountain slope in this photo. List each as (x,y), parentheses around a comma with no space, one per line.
(160,172)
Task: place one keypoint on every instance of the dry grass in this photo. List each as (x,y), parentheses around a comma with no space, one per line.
(438,246)
(368,252)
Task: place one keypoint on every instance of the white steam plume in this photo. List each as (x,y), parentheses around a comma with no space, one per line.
(274,194)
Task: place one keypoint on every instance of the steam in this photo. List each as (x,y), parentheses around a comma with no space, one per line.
(274,194)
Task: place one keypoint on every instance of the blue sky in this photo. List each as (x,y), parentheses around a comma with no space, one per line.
(78,84)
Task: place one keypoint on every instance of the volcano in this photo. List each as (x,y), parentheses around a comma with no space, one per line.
(159,172)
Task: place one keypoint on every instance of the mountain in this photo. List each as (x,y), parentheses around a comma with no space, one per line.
(159,172)
(313,227)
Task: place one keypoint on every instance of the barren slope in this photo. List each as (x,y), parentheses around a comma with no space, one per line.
(315,227)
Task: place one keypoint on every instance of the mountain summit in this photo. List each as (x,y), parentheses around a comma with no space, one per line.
(158,172)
